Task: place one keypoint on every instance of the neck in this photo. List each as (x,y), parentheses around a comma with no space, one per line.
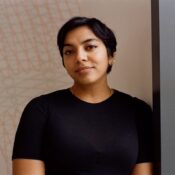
(92,93)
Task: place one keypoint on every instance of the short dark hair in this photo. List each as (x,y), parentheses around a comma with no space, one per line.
(98,28)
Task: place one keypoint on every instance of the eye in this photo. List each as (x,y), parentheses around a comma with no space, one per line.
(90,47)
(68,52)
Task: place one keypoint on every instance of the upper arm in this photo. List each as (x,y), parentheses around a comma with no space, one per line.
(143,169)
(30,134)
(145,159)
(28,167)
(145,133)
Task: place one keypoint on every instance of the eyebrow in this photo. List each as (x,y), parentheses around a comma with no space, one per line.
(83,42)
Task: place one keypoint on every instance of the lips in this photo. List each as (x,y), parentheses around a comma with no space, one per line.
(83,69)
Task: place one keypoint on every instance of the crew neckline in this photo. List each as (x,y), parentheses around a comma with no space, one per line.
(90,103)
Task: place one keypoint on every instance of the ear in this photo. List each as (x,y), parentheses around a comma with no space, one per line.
(112,59)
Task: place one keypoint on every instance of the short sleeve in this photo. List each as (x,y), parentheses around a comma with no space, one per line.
(145,132)
(29,139)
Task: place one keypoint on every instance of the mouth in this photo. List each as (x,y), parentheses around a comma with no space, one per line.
(83,69)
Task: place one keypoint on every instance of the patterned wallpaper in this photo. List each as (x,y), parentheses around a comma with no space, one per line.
(29,60)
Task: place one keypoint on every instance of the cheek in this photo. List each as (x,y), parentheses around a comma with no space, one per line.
(102,58)
(67,63)
(68,67)
(103,53)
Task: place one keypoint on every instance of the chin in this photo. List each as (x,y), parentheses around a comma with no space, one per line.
(86,82)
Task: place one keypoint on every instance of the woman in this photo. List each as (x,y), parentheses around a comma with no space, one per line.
(89,128)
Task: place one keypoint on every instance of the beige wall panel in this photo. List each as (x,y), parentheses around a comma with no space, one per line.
(131,22)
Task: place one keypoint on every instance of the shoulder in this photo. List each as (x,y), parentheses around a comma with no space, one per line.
(122,95)
(45,98)
(133,102)
(42,102)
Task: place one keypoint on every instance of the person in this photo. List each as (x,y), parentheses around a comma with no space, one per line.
(88,128)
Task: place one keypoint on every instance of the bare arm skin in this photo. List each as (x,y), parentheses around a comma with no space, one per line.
(28,167)
(36,167)
(143,169)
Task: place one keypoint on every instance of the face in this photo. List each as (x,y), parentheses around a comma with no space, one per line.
(85,56)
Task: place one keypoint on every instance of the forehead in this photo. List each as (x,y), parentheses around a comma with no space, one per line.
(80,34)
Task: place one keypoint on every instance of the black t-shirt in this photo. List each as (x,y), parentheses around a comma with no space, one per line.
(74,137)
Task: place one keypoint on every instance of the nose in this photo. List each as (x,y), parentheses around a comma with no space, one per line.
(81,55)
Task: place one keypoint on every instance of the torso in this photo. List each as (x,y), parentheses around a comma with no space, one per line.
(82,137)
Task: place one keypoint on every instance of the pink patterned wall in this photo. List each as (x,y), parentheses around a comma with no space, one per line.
(29,61)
